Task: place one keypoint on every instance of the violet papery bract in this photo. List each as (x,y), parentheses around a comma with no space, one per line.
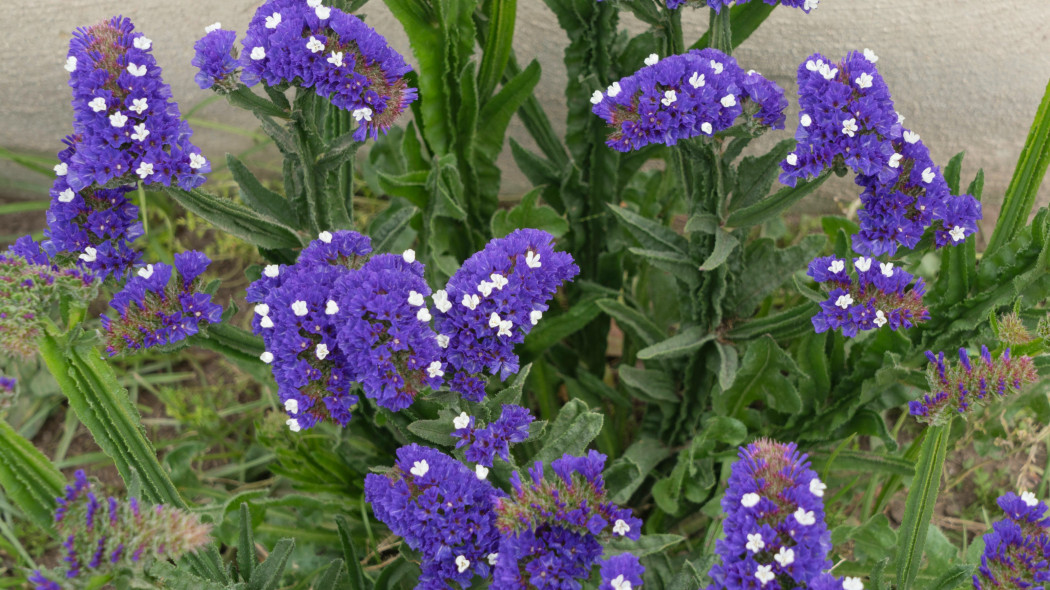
(336,54)
(1017,550)
(847,115)
(697,93)
(621,572)
(956,387)
(879,296)
(493,301)
(774,527)
(152,310)
(442,510)
(552,529)
(484,444)
(215,58)
(102,534)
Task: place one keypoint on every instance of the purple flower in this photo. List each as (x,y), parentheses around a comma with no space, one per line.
(621,572)
(848,116)
(493,301)
(697,93)
(1017,550)
(774,526)
(442,510)
(954,388)
(336,54)
(7,384)
(483,444)
(879,296)
(153,313)
(216,59)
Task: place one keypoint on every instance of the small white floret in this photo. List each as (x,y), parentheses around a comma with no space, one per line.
(828,72)
(485,288)
(792,159)
(911,136)
(493,557)
(419,468)
(755,543)
(138,105)
(1029,499)
(849,127)
(810,5)
(147,272)
(805,120)
(532,259)
(322,351)
(325,236)
(415,298)
(323,12)
(197,161)
(471,301)
(314,45)
(441,301)
(535,316)
(837,266)
(817,487)
(258,53)
(728,101)
(145,170)
(272,270)
(262,309)
(61,169)
(423,315)
(765,574)
(863,263)
(849,583)
(620,527)
(336,59)
(886,268)
(291,405)
(462,563)
(481,471)
(613,89)
(957,233)
(814,65)
(880,318)
(864,80)
(494,320)
(442,340)
(97,104)
(498,281)
(927,175)
(844,301)
(505,328)
(717,67)
(293,425)
(273,20)
(213,27)
(785,557)
(870,55)
(597,97)
(266,322)
(749,500)
(706,128)
(409,255)
(669,98)
(140,132)
(137,71)
(900,118)
(619,583)
(805,517)
(362,114)
(331,307)
(118,119)
(652,59)
(66,196)
(461,421)
(300,308)
(696,80)
(266,357)
(895,160)
(71,64)
(434,370)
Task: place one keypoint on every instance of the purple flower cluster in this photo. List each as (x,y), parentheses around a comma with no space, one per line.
(153,312)
(954,388)
(847,115)
(774,527)
(552,528)
(442,510)
(880,295)
(335,53)
(7,391)
(101,534)
(215,58)
(1017,550)
(621,572)
(484,444)
(697,93)
(493,301)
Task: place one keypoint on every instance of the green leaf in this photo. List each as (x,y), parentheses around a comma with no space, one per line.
(867,462)
(918,509)
(236,219)
(1028,175)
(679,265)
(552,330)
(629,471)
(653,386)
(773,206)
(492,125)
(244,98)
(725,243)
(955,576)
(775,265)
(512,393)
(645,545)
(240,347)
(245,545)
(498,44)
(574,428)
(387,227)
(29,479)
(651,235)
(333,577)
(350,558)
(527,214)
(438,432)
(689,340)
(268,575)
(755,175)
(632,321)
(789,323)
(254,194)
(760,378)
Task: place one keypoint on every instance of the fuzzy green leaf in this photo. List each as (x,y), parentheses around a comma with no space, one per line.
(29,479)
(686,342)
(918,509)
(236,219)
(574,428)
(774,205)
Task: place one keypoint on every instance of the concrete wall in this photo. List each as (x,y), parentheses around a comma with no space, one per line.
(968,74)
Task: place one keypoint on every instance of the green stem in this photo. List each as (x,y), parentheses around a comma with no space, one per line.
(306,160)
(721,31)
(918,509)
(675,39)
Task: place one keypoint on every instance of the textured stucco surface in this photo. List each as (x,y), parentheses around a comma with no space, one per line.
(967,74)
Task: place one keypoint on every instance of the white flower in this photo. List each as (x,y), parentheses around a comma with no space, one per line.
(434,369)
(927,175)
(785,556)
(272,270)
(805,517)
(423,315)
(717,67)
(138,105)
(291,406)
(532,259)
(493,557)
(299,308)
(620,527)
(197,161)
(118,119)
(258,53)
(504,328)
(409,255)
(1029,499)
(331,307)
(442,340)
(462,563)
(765,574)
(481,471)
(336,59)
(792,159)
(485,288)
(494,320)
(706,128)
(810,5)
(895,160)
(325,236)
(849,583)
(911,136)
(322,351)
(755,543)
(313,3)
(870,55)
(293,425)
(314,45)
(461,421)
(957,233)
(535,316)
(900,118)
(837,266)
(66,196)
(441,301)
(669,98)
(363,113)
(266,322)
(419,468)
(844,301)
(864,80)
(471,301)
(863,263)
(728,101)
(613,89)
(71,64)
(696,80)
(827,71)
(814,65)
(597,97)
(323,12)
(880,318)
(886,268)
(97,104)
(849,127)
(273,20)
(262,309)
(266,357)
(652,59)
(619,583)
(498,281)
(806,120)
(212,27)
(817,487)
(137,71)
(141,133)
(61,169)
(145,170)
(749,500)
(415,298)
